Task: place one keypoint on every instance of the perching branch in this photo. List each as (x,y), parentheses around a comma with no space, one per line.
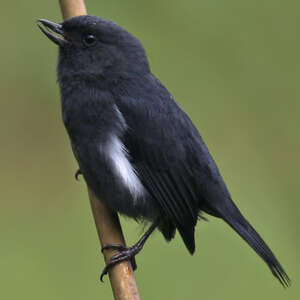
(107,223)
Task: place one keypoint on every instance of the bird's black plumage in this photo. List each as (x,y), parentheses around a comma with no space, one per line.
(136,148)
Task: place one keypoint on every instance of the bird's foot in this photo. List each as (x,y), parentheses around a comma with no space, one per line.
(78,172)
(120,248)
(125,253)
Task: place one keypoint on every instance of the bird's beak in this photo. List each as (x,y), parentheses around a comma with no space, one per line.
(53,31)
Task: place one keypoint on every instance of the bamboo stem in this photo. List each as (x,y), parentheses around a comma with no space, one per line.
(107,223)
(72,8)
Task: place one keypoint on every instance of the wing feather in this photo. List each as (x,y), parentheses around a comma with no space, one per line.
(161,140)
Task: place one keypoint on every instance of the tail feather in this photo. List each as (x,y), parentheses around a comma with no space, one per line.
(235,219)
(188,236)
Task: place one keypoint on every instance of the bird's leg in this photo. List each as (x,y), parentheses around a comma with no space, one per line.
(126,253)
(78,172)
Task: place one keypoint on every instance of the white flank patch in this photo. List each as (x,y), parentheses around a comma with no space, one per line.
(119,157)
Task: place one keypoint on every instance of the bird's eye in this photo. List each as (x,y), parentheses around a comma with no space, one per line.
(89,40)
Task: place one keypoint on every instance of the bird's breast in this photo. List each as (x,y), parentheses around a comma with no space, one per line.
(109,172)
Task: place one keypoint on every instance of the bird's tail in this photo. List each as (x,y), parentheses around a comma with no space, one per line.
(232,216)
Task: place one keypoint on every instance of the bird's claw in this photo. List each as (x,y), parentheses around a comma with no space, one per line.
(126,253)
(78,172)
(113,247)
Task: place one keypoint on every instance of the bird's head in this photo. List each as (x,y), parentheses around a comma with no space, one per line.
(92,46)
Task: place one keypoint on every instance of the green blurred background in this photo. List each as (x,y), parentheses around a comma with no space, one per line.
(234,67)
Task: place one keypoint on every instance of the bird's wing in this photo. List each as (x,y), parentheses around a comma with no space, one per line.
(164,147)
(175,197)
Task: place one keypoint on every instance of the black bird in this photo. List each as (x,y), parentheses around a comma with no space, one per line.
(136,148)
